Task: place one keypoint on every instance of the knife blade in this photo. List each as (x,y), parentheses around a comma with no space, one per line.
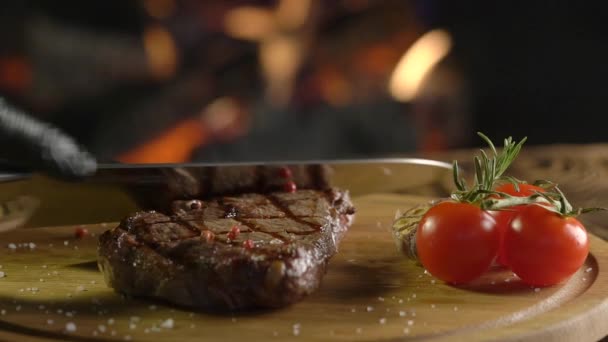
(118,189)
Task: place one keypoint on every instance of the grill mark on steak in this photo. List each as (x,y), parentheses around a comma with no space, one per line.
(285,209)
(233,212)
(257,229)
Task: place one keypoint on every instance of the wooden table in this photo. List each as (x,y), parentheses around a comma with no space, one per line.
(578,169)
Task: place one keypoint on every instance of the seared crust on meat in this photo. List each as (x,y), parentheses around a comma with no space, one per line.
(190,257)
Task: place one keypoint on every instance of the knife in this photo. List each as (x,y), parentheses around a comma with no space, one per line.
(115,190)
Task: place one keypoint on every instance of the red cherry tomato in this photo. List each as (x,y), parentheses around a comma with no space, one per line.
(504,217)
(457,242)
(544,248)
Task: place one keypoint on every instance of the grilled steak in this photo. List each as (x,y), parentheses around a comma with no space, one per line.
(228,253)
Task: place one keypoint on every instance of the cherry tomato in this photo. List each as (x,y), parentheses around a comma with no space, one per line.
(504,217)
(544,248)
(457,242)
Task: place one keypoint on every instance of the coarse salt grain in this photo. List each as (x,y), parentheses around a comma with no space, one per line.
(2,274)
(589,269)
(32,245)
(146,331)
(41,280)
(69,314)
(382,320)
(358,330)
(18,308)
(402,313)
(353,310)
(433,281)
(110,321)
(94,333)
(127,337)
(400,301)
(455,308)
(2,312)
(369,309)
(132,326)
(537,289)
(296,329)
(433,306)
(381,299)
(152,307)
(66,242)
(113,333)
(50,322)
(101,328)
(80,288)
(93,282)
(44,266)
(406,331)
(12,246)
(134,319)
(414,295)
(167,324)
(410,322)
(70,327)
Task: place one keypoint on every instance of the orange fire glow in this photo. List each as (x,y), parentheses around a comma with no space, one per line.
(173,146)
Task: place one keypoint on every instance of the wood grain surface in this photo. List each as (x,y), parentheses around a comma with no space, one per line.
(370,293)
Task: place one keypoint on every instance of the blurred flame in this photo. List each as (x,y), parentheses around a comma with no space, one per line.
(292,14)
(159,9)
(173,146)
(280,58)
(161,52)
(221,114)
(250,23)
(417,62)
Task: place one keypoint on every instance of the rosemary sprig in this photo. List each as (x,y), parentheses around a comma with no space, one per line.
(553,199)
(488,170)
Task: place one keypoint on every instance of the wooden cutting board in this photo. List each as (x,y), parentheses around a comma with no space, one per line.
(370,293)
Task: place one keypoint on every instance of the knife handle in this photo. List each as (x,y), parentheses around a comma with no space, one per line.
(40,146)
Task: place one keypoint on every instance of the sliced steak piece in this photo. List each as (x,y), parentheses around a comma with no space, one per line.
(228,253)
(164,185)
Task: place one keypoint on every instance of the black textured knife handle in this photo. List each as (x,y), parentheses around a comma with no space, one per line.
(39,146)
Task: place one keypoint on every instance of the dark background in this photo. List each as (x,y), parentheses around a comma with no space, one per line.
(167,81)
